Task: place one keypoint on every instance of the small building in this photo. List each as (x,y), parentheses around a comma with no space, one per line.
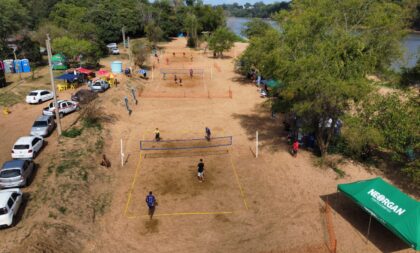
(59,62)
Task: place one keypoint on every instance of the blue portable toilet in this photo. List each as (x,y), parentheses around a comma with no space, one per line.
(8,66)
(26,67)
(116,67)
(17,66)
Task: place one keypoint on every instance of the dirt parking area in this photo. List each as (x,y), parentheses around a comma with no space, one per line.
(273,203)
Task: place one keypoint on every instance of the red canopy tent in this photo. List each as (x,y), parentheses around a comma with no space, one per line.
(84,71)
(102,72)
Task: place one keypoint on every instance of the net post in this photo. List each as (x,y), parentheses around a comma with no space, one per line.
(211,72)
(122,153)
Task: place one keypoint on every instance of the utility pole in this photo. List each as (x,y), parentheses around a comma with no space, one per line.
(129,52)
(57,115)
(123,34)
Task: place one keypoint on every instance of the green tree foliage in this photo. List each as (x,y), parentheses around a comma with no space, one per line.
(323,54)
(73,19)
(191,26)
(221,40)
(40,35)
(411,76)
(140,50)
(255,28)
(154,33)
(73,48)
(13,17)
(27,49)
(390,124)
(257,10)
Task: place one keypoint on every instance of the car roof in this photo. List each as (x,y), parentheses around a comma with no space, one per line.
(38,91)
(5,195)
(25,139)
(12,164)
(43,118)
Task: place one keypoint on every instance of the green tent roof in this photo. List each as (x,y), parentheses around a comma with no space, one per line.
(393,208)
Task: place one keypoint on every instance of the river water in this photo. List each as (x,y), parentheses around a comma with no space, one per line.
(410,44)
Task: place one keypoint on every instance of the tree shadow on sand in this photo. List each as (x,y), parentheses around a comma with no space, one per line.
(271,133)
(379,235)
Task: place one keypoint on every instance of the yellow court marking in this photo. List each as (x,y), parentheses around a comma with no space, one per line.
(179,214)
(133,183)
(237,180)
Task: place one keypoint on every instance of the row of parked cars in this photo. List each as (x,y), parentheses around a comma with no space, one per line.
(17,173)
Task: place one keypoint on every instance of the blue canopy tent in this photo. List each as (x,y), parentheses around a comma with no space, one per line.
(271,83)
(67,77)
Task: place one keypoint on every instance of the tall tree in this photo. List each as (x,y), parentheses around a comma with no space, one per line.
(323,54)
(13,17)
(191,26)
(221,40)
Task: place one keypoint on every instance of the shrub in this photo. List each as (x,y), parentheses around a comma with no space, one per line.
(72,132)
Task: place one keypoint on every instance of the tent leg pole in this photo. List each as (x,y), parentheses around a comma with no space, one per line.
(368,232)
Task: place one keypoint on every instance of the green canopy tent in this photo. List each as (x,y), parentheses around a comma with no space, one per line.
(59,62)
(393,208)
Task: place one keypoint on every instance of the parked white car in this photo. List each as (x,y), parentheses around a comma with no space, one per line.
(115,51)
(27,147)
(39,96)
(10,202)
(64,107)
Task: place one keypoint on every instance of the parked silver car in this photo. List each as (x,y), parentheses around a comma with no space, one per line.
(99,85)
(15,173)
(43,126)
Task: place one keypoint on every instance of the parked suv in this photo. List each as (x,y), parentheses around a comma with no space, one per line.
(43,126)
(10,201)
(15,173)
(64,107)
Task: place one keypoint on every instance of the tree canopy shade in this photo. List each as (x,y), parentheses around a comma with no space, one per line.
(323,53)
(397,211)
(221,40)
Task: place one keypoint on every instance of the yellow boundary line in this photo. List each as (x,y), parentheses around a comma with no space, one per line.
(237,181)
(133,183)
(179,214)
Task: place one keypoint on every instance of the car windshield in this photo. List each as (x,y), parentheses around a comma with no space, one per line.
(3,210)
(40,124)
(9,173)
(21,147)
(33,93)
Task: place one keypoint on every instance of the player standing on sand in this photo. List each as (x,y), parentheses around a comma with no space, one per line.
(208,133)
(157,134)
(151,203)
(295,148)
(200,169)
(191,73)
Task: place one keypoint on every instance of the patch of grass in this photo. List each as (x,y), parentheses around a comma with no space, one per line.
(92,123)
(65,166)
(9,98)
(62,209)
(99,145)
(52,215)
(72,132)
(340,173)
(101,203)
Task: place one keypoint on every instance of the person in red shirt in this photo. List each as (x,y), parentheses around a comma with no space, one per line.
(295,148)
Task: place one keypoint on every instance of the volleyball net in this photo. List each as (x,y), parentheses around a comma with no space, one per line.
(198,143)
(194,72)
